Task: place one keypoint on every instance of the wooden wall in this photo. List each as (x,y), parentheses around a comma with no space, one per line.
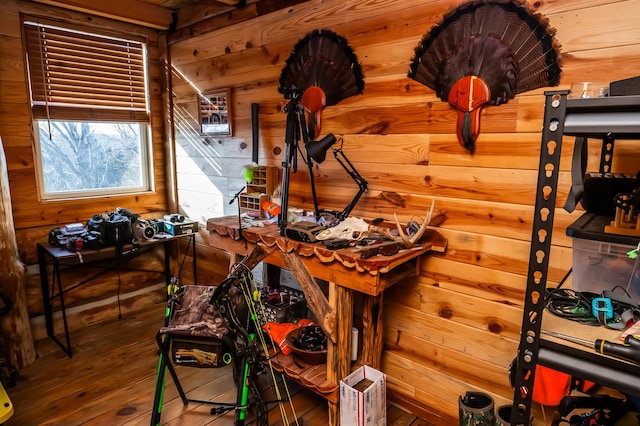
(455,327)
(33,218)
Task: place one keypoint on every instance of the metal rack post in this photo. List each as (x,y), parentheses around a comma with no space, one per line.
(546,194)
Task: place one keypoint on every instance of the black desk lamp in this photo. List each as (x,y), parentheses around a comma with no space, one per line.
(317,151)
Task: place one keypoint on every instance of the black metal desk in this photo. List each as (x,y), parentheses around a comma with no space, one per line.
(61,258)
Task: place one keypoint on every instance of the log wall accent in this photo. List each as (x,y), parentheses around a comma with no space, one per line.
(33,218)
(18,346)
(456,326)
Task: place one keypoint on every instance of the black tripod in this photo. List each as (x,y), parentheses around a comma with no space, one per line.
(296,128)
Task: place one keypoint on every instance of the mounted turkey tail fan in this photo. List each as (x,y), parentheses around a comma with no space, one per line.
(486,52)
(324,70)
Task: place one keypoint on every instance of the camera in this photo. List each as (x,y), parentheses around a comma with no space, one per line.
(144,229)
(174,218)
(292,92)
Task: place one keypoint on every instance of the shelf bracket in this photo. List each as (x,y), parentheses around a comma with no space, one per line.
(546,194)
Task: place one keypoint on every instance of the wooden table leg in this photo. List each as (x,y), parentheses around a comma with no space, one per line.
(372,331)
(339,355)
(233,259)
(323,311)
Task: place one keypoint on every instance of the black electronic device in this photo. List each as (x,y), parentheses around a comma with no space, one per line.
(600,190)
(186,226)
(626,87)
(337,244)
(303,231)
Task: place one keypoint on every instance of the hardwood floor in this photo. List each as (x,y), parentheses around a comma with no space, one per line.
(111,377)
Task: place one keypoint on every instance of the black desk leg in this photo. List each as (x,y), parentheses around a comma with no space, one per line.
(195,269)
(167,258)
(167,264)
(66,349)
(44,286)
(47,299)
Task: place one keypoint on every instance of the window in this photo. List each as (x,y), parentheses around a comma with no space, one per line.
(89,103)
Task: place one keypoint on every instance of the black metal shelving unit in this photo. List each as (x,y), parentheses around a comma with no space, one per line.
(606,119)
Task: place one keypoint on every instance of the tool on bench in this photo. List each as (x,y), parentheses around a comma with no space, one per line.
(386,249)
(630,350)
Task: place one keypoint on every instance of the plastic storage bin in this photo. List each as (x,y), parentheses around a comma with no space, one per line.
(600,260)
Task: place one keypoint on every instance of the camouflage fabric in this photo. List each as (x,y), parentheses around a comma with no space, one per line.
(193,315)
(476,409)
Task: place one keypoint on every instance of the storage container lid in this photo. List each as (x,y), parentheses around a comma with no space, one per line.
(590,226)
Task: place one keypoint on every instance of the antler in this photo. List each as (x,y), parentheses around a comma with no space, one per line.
(410,241)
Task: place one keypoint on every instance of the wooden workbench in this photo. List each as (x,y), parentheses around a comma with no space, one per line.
(346,272)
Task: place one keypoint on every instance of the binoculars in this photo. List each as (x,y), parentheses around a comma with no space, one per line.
(174,218)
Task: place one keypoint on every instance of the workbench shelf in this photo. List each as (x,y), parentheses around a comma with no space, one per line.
(606,119)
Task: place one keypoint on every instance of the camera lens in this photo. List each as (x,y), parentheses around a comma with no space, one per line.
(148,232)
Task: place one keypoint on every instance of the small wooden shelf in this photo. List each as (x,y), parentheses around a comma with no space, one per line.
(264,182)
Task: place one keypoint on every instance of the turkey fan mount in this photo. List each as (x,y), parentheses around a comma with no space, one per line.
(486,52)
(324,69)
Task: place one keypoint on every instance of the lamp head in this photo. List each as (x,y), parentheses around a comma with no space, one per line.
(317,150)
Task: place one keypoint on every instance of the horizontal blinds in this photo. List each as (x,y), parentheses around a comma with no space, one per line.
(80,76)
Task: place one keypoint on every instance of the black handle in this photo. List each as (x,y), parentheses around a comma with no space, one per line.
(630,352)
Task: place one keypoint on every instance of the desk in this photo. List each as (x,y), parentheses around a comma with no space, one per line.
(346,273)
(61,258)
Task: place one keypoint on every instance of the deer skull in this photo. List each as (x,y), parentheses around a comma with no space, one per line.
(352,228)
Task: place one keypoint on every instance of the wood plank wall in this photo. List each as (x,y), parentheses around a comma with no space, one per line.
(33,217)
(456,326)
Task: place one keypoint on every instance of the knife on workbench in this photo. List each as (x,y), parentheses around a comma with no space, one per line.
(386,249)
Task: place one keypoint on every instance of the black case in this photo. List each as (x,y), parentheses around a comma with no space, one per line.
(600,190)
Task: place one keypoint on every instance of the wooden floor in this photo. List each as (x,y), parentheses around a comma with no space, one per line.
(110,381)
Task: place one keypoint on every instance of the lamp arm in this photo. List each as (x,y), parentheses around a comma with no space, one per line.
(351,171)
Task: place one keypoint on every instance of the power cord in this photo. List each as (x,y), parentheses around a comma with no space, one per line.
(571,305)
(578,306)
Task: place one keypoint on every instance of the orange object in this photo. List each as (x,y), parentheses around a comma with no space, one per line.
(468,95)
(278,332)
(272,208)
(550,386)
(314,100)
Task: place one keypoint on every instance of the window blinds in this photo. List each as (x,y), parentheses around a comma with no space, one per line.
(80,76)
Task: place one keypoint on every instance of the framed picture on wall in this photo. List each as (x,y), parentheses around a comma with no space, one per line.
(215,112)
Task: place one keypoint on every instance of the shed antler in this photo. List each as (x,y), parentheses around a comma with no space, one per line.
(410,241)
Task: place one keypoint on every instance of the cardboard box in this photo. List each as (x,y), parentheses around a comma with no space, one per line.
(363,398)
(181,228)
